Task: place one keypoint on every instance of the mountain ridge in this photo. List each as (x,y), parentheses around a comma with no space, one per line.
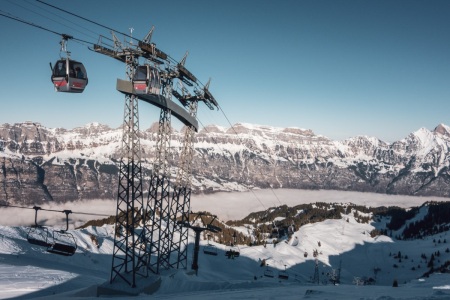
(57,164)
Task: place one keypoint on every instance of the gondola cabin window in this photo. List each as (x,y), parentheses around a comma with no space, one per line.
(60,69)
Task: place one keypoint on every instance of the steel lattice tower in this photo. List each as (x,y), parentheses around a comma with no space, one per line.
(129,252)
(151,248)
(181,196)
(159,199)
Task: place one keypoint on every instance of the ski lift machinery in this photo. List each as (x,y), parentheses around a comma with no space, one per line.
(68,75)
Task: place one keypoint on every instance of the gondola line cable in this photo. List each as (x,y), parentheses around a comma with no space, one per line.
(8,15)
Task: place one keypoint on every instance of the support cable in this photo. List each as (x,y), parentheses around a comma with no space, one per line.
(85,19)
(8,15)
(232,127)
(53,14)
(54,210)
(222,150)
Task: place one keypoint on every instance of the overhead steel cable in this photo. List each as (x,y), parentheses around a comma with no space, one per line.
(222,151)
(232,127)
(8,15)
(169,58)
(83,31)
(86,19)
(54,210)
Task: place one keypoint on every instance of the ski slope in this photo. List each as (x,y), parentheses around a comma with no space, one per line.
(29,272)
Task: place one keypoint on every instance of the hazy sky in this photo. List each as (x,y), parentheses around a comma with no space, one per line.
(340,68)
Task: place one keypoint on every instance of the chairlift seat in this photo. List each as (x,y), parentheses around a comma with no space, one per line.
(283,275)
(62,249)
(64,243)
(38,242)
(210,250)
(39,235)
(269,273)
(232,253)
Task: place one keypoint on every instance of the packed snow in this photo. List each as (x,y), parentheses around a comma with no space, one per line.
(30,272)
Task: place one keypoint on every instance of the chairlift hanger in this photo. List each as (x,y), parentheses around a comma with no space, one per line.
(38,234)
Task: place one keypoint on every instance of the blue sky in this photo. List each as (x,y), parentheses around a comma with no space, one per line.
(341,68)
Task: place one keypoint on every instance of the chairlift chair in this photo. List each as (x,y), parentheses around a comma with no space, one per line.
(146,80)
(37,234)
(234,250)
(210,249)
(283,274)
(269,273)
(63,242)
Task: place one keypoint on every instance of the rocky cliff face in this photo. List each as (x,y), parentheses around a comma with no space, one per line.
(39,164)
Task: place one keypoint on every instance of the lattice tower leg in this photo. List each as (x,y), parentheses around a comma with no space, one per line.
(159,200)
(181,198)
(129,242)
(181,201)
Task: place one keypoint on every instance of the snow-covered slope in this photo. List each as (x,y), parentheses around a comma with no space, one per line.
(29,272)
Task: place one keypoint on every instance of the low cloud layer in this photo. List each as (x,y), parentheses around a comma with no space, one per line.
(237,205)
(227,206)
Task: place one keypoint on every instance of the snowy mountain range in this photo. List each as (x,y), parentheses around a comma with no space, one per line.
(39,164)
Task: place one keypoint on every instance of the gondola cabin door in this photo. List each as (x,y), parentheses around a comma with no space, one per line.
(69,76)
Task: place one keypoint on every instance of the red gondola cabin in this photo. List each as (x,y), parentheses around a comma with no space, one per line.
(69,76)
(146,80)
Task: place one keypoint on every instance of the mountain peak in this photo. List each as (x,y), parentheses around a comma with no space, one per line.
(443,129)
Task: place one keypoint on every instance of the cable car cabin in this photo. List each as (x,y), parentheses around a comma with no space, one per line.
(147,80)
(64,244)
(69,76)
